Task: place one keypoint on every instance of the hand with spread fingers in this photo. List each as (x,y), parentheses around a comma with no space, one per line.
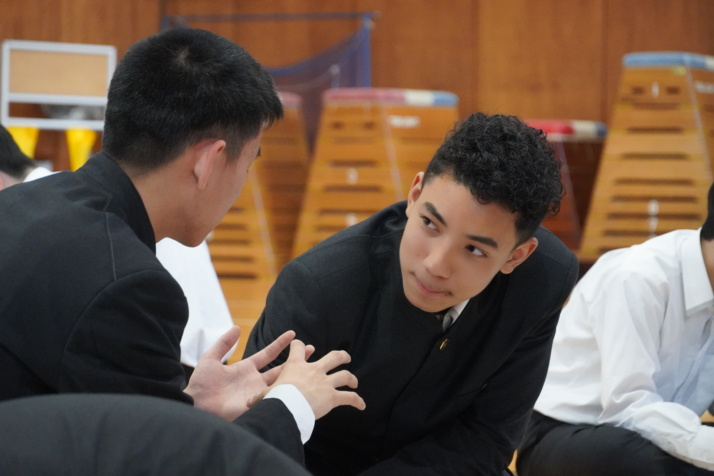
(226,390)
(314,380)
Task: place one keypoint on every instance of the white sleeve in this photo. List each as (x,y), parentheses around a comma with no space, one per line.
(629,314)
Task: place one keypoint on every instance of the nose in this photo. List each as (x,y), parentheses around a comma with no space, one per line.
(438,261)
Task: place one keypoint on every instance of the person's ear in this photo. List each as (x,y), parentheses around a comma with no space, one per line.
(415,191)
(206,161)
(519,255)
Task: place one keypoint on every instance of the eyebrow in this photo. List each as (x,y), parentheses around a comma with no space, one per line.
(478,238)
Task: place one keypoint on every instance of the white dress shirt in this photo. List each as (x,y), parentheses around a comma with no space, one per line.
(634,347)
(453,313)
(208,314)
(36,173)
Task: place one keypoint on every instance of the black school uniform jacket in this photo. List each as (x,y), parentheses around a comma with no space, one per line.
(85,306)
(128,435)
(437,403)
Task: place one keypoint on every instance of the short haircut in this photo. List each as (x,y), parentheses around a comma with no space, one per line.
(179,87)
(707,233)
(13,161)
(502,160)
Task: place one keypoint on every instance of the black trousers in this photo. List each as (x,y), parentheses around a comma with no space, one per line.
(553,448)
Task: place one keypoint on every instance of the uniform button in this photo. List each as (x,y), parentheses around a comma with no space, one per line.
(444,344)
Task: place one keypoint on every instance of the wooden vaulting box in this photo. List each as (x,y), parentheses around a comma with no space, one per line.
(370,145)
(282,170)
(578,146)
(656,165)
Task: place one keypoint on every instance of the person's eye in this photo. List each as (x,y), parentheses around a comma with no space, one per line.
(475,251)
(428,223)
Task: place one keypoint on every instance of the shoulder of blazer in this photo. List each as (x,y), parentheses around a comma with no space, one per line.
(546,278)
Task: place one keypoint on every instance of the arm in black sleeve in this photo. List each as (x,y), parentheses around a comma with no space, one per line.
(271,420)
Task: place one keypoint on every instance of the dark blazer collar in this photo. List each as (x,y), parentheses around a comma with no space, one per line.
(125,201)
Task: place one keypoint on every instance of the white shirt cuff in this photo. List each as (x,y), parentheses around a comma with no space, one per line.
(298,406)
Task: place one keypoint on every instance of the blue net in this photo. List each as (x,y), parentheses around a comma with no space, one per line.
(344,64)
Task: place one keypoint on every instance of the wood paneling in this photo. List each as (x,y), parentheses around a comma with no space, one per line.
(541,59)
(652,25)
(105,22)
(547,59)
(273,43)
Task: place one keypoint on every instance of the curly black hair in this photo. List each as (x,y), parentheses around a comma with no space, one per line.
(502,160)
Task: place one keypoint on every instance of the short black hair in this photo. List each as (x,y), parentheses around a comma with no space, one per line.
(504,161)
(179,87)
(707,233)
(13,161)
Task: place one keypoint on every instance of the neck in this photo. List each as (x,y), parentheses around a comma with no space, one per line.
(165,193)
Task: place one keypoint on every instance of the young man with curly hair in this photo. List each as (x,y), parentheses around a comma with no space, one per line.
(447,304)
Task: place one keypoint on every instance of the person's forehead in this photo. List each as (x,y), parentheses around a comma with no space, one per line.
(459,207)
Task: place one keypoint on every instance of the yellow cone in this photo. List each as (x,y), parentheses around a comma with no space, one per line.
(25,138)
(79,142)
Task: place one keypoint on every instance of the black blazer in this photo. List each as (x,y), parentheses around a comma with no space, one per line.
(437,403)
(122,435)
(85,306)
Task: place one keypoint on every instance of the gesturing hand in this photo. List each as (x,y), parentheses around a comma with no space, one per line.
(314,380)
(225,390)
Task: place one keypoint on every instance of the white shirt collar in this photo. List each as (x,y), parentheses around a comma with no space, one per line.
(456,310)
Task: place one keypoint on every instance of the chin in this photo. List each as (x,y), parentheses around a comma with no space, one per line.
(189,241)
(420,303)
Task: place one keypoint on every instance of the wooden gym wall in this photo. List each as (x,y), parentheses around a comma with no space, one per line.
(533,58)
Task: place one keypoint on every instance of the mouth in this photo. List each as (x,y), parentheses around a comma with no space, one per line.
(426,290)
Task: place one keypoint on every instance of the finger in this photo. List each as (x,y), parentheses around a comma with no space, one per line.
(297,351)
(270,376)
(343,378)
(272,350)
(349,398)
(334,359)
(223,345)
(309,350)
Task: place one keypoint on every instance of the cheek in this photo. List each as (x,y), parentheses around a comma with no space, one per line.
(474,280)
(410,248)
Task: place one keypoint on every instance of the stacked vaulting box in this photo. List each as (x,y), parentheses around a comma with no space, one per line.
(282,170)
(656,165)
(242,254)
(578,146)
(370,145)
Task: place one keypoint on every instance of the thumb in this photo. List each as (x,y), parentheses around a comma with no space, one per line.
(257,397)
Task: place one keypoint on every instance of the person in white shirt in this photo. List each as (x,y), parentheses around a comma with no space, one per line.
(208,317)
(632,366)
